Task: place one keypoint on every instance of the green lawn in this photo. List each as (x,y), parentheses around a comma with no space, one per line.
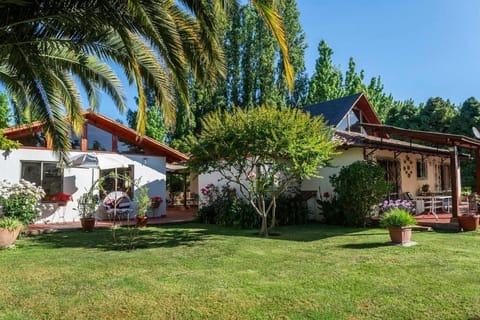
(196,271)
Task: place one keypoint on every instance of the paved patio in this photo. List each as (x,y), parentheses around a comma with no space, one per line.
(174,215)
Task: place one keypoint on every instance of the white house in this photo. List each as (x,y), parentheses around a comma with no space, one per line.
(118,147)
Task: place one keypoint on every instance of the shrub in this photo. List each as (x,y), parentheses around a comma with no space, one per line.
(291,209)
(331,209)
(20,200)
(397,218)
(359,186)
(224,207)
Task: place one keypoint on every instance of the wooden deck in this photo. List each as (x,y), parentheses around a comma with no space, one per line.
(443,221)
(174,215)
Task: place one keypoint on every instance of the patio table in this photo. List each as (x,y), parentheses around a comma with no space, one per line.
(433,202)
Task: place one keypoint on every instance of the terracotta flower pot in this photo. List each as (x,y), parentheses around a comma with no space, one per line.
(88,224)
(142,221)
(7,237)
(469,223)
(400,234)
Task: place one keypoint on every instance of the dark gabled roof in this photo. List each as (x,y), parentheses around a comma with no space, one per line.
(334,111)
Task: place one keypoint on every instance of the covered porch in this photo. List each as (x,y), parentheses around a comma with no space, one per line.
(453,144)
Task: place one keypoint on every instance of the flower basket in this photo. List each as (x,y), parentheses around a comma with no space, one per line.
(156,202)
(469,222)
(61,199)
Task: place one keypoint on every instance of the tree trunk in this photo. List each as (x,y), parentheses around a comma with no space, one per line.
(274,218)
(264,227)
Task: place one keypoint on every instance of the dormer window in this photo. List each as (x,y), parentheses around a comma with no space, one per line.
(351,122)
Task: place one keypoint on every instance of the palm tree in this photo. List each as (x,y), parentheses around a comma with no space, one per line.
(48,47)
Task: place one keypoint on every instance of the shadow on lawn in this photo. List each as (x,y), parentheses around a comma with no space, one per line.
(371,245)
(301,233)
(188,235)
(102,238)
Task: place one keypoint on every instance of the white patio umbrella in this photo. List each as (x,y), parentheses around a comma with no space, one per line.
(99,161)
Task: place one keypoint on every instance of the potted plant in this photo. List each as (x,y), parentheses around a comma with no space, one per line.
(143,204)
(399,222)
(87,206)
(425,188)
(9,231)
(464,193)
(468,222)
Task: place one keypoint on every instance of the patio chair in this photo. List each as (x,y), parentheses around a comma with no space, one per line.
(118,205)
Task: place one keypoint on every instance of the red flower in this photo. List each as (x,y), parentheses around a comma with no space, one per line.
(62,197)
(326,195)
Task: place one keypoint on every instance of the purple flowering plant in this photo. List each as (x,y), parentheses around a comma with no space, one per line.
(389,205)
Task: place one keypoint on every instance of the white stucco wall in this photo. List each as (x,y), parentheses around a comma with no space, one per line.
(322,185)
(216,179)
(76,180)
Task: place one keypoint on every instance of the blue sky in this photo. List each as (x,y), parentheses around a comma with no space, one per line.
(420,48)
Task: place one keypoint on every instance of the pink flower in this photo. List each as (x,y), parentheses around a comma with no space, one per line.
(251,175)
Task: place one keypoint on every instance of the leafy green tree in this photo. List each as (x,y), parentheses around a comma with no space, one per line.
(264,47)
(326,81)
(353,80)
(155,125)
(295,37)
(262,150)
(5,115)
(359,187)
(381,102)
(403,115)
(436,115)
(468,116)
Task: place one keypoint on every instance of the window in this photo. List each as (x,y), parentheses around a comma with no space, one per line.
(75,141)
(352,123)
(98,139)
(123,182)
(44,174)
(392,176)
(36,139)
(125,147)
(421,169)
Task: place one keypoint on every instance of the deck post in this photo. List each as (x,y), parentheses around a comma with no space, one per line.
(455,183)
(185,190)
(477,170)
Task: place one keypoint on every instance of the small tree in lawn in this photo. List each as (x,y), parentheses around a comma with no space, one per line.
(262,150)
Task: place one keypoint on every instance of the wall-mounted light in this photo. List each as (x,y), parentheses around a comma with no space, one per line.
(145,160)
(5,154)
